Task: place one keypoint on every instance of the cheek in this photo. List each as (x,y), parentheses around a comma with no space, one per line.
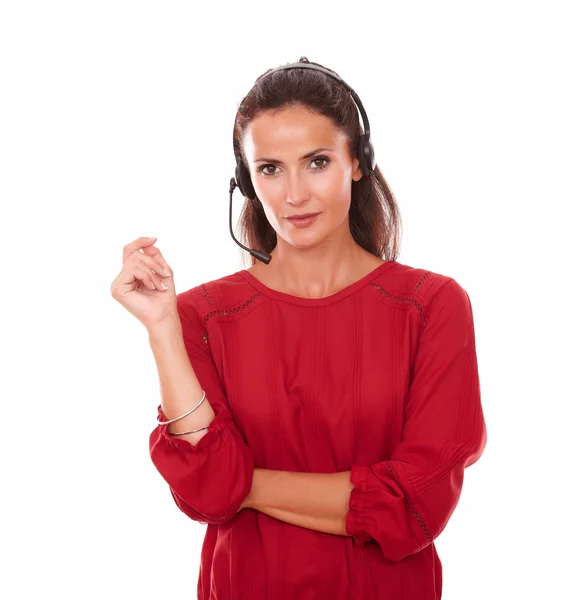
(334,186)
(272,211)
(270,192)
(336,195)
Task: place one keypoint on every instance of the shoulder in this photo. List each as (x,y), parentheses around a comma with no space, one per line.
(422,288)
(226,295)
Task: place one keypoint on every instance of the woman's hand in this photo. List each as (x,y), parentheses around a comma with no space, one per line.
(138,287)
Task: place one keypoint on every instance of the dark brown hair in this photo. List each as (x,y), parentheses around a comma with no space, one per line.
(374,217)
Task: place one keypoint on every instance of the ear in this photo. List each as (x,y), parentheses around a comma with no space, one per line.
(357,173)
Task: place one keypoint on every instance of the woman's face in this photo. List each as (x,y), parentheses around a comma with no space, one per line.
(287,184)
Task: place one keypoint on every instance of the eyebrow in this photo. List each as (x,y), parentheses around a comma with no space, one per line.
(307,155)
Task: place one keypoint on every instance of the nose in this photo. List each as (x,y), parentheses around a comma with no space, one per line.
(298,190)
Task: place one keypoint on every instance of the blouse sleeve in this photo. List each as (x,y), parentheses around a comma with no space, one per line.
(404,503)
(210,480)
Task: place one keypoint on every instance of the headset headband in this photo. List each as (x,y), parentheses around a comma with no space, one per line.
(306,65)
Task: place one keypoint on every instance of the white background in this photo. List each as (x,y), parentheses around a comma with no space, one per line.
(116,122)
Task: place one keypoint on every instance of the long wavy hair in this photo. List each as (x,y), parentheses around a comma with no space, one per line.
(374,217)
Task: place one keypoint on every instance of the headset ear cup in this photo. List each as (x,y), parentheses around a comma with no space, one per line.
(244,182)
(366,154)
(238,181)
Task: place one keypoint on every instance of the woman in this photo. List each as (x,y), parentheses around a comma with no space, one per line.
(317,412)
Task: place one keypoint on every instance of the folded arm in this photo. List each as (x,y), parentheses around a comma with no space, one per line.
(316,501)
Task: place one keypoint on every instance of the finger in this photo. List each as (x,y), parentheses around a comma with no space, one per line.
(145,276)
(151,267)
(155,253)
(140,243)
(151,263)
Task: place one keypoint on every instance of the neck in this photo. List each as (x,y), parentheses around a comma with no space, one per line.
(318,271)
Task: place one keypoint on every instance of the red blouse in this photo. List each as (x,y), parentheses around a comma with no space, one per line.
(379,379)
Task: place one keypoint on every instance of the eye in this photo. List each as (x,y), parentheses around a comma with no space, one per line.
(325,159)
(263,167)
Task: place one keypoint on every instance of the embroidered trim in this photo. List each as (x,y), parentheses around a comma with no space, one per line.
(206,296)
(422,280)
(229,311)
(402,299)
(415,514)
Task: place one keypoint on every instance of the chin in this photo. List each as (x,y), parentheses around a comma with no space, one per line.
(306,240)
(303,245)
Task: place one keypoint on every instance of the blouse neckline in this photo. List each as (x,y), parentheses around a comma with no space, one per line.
(325,301)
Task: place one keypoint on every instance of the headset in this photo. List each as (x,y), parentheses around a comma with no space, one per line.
(365,151)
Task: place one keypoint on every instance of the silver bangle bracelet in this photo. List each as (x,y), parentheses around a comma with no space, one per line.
(185,432)
(184,415)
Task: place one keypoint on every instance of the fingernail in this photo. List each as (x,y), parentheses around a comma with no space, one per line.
(166,272)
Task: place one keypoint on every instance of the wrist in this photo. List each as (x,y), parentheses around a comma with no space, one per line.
(169,328)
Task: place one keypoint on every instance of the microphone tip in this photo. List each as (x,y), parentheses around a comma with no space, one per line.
(262,256)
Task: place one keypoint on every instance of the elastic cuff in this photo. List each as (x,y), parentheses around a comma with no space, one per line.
(354,522)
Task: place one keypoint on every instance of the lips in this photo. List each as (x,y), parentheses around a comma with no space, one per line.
(303,221)
(302,217)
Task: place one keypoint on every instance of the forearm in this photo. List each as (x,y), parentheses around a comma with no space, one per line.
(317,501)
(179,386)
